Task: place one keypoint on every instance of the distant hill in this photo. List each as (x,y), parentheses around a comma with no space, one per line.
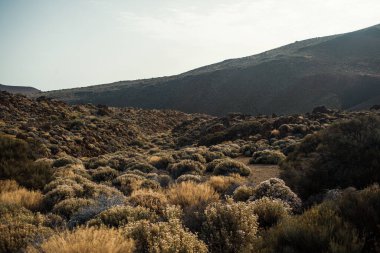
(19,89)
(340,71)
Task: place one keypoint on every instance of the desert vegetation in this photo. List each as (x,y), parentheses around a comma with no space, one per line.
(99,179)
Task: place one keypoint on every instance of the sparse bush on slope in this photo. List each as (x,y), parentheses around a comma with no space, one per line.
(267,157)
(186,167)
(346,154)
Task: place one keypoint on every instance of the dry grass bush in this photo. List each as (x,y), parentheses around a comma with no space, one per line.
(243,193)
(31,200)
(270,211)
(104,174)
(226,167)
(186,167)
(275,188)
(118,216)
(193,199)
(317,230)
(230,227)
(189,177)
(87,240)
(226,185)
(267,157)
(8,185)
(163,237)
(155,201)
(68,207)
(229,149)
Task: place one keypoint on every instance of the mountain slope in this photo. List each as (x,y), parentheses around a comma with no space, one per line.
(340,71)
(19,89)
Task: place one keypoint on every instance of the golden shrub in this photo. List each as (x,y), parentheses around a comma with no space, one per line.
(8,185)
(155,201)
(87,240)
(226,184)
(20,196)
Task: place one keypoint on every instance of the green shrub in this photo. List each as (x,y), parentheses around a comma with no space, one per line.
(230,227)
(275,188)
(163,237)
(186,167)
(267,157)
(345,154)
(318,230)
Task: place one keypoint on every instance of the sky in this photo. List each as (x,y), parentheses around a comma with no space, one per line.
(56,44)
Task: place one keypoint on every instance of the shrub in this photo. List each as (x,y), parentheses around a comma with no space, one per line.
(104,174)
(230,227)
(319,229)
(66,160)
(267,157)
(362,210)
(189,177)
(270,211)
(164,180)
(193,199)
(243,193)
(128,183)
(118,216)
(143,167)
(345,154)
(229,166)
(16,236)
(163,237)
(155,201)
(161,162)
(16,162)
(186,167)
(102,203)
(58,194)
(275,188)
(87,240)
(225,185)
(68,207)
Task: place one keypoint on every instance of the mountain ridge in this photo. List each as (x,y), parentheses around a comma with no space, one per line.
(290,79)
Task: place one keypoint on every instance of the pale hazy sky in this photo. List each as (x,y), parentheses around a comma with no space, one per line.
(53,44)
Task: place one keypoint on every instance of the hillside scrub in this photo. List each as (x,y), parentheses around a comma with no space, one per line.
(346,154)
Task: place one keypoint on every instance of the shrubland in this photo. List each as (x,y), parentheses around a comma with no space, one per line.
(91,178)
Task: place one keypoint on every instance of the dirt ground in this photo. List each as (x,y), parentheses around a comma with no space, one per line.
(260,172)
